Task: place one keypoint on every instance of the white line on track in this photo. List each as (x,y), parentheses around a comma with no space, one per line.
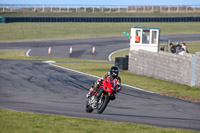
(27,53)
(109,57)
(97,77)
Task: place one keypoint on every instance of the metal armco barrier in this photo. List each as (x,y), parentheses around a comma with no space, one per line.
(102,19)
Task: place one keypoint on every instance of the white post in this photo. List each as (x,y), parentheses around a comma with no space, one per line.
(144,9)
(3,8)
(51,8)
(119,9)
(102,8)
(152,9)
(68,9)
(11,8)
(168,8)
(127,9)
(160,8)
(93,9)
(177,8)
(43,9)
(60,8)
(34,8)
(18,7)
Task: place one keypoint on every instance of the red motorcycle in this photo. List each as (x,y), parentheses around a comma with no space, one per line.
(102,95)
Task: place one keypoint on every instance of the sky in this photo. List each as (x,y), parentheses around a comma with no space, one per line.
(104,2)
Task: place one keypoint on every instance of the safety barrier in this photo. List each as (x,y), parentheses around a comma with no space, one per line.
(102,19)
(122,62)
(183,69)
(2,20)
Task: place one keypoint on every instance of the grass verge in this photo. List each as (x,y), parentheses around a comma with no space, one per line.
(44,31)
(21,122)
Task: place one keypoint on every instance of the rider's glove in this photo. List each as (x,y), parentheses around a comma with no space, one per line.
(99,82)
(118,88)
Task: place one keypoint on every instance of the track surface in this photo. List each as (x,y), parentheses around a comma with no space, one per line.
(34,86)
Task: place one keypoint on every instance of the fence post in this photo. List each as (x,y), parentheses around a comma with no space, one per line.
(152,9)
(11,8)
(68,9)
(43,9)
(160,8)
(34,8)
(169,8)
(3,8)
(193,71)
(177,8)
(18,7)
(51,8)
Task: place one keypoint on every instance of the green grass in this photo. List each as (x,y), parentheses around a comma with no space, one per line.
(193,47)
(43,31)
(21,122)
(8,14)
(122,53)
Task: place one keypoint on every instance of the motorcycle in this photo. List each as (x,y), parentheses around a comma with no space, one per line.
(103,94)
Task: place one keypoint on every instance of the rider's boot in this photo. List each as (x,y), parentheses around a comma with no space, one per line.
(90,92)
(97,97)
(95,101)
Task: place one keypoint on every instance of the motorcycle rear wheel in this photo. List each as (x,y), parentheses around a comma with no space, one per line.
(88,108)
(105,100)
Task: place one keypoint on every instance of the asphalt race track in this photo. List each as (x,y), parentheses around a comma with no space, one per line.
(33,86)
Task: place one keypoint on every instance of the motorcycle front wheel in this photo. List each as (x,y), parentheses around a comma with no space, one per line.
(103,104)
(88,108)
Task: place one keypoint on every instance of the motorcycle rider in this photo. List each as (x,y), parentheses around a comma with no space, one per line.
(114,71)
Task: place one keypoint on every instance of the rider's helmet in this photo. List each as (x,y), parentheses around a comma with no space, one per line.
(114,71)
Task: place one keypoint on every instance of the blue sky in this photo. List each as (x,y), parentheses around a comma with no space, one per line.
(104,2)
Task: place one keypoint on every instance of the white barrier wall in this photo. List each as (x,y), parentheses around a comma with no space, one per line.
(197,73)
(183,69)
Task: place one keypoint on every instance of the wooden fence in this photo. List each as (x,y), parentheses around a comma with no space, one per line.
(99,8)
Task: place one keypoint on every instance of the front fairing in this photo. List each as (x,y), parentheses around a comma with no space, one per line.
(109,85)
